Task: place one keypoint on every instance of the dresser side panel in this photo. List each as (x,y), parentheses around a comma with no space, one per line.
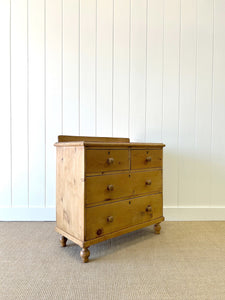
(70,191)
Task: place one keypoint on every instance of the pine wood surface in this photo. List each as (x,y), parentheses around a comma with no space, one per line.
(70,191)
(145,159)
(124,214)
(101,189)
(106,188)
(70,138)
(106,160)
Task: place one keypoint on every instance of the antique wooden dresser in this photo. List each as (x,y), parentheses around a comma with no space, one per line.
(106,187)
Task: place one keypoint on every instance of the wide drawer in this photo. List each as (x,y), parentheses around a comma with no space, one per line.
(106,160)
(109,187)
(104,219)
(144,159)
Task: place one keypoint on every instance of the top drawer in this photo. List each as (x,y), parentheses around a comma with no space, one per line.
(145,159)
(106,160)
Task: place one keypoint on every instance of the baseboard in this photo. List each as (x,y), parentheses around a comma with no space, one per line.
(170,214)
(27,214)
(194,213)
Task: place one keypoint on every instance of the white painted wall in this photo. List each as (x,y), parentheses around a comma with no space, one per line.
(152,70)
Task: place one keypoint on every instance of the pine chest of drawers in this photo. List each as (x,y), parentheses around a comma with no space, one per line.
(106,187)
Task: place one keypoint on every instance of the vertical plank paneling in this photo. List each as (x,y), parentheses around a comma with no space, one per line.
(70,75)
(5,149)
(218,113)
(154,71)
(104,67)
(53,91)
(150,70)
(171,100)
(187,188)
(121,68)
(138,70)
(204,101)
(87,67)
(36,103)
(19,102)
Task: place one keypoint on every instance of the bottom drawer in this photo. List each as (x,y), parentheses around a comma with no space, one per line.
(104,219)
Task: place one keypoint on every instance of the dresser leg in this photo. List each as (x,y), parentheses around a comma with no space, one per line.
(63,241)
(84,254)
(157,228)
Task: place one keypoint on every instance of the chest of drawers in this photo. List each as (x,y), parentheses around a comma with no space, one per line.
(106,187)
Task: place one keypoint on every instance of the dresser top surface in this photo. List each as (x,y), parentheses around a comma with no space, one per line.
(100,142)
(109,144)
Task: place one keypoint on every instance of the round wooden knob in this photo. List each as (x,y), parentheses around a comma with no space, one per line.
(149,208)
(148,182)
(148,158)
(110,219)
(110,187)
(110,160)
(99,231)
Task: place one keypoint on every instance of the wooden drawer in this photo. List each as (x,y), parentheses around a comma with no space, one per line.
(104,219)
(107,187)
(147,182)
(144,159)
(106,160)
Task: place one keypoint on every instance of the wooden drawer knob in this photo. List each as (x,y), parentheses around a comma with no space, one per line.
(149,208)
(148,158)
(110,219)
(99,231)
(110,160)
(110,187)
(148,182)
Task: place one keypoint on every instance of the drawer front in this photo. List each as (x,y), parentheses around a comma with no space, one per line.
(104,219)
(106,160)
(107,187)
(144,159)
(147,182)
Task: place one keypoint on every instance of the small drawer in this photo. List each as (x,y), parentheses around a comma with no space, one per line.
(105,219)
(107,187)
(145,159)
(147,182)
(106,160)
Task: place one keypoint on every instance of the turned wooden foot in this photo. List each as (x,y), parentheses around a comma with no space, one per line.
(63,241)
(157,228)
(84,254)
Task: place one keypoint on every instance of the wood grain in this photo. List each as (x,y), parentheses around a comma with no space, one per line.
(122,185)
(147,182)
(125,213)
(87,178)
(110,235)
(70,138)
(70,191)
(106,160)
(97,187)
(144,159)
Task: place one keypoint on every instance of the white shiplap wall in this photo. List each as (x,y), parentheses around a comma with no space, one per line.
(152,70)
